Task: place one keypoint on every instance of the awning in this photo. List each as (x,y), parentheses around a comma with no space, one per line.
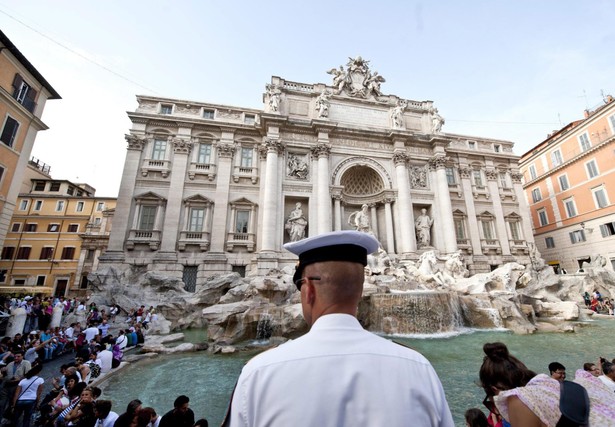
(553,262)
(31,290)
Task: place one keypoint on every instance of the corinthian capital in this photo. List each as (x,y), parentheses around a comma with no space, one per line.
(465,172)
(135,142)
(181,146)
(321,150)
(516,177)
(400,158)
(225,149)
(491,174)
(274,145)
(437,162)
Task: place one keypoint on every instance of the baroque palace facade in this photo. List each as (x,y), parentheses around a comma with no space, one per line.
(210,188)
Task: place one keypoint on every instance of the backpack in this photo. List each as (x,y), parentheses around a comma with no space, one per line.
(94,370)
(80,340)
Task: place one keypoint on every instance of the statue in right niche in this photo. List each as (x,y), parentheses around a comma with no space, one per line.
(423,225)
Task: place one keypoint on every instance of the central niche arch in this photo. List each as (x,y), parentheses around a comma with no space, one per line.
(361,181)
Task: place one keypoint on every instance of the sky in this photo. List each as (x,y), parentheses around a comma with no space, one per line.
(511,70)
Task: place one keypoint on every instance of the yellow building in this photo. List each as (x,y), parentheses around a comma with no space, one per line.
(570,183)
(56,234)
(23,93)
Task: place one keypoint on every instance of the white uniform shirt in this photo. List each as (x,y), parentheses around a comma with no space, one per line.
(338,375)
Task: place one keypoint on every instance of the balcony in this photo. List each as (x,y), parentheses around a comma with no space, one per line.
(196,238)
(162,166)
(206,169)
(491,245)
(247,240)
(518,246)
(144,237)
(245,172)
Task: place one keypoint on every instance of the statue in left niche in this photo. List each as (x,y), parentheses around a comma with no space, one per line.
(296,224)
(273,96)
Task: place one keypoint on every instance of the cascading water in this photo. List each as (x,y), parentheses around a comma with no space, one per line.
(415,312)
(264,327)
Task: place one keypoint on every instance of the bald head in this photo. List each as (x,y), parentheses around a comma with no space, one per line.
(338,290)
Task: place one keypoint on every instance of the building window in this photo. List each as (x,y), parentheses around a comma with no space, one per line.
(54,186)
(209,114)
(536,196)
(97,221)
(16,227)
(497,148)
(79,207)
(159,150)
(612,121)
(53,228)
(592,169)
(503,176)
(23,252)
(100,206)
(600,197)
(487,226)
(189,278)
(23,205)
(607,229)
(166,109)
(249,119)
(8,252)
(39,186)
(3,274)
(148,217)
(2,169)
(9,131)
(30,227)
(549,242)
(24,93)
(73,228)
(514,230)
(40,280)
(542,217)
(477,177)
(556,158)
(70,191)
(68,252)
(533,173)
(584,142)
(577,236)
(460,230)
(84,282)
(472,145)
(89,255)
(38,205)
(59,205)
(246,157)
(450,176)
(242,219)
(197,216)
(204,154)
(563,182)
(46,253)
(571,209)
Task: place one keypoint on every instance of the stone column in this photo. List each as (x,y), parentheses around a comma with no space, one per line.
(337,201)
(170,227)
(526,223)
(270,229)
(404,202)
(225,149)
(373,218)
(444,222)
(121,219)
(388,219)
(323,194)
(500,223)
(465,174)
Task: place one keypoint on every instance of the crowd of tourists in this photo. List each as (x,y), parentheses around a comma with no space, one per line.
(517,396)
(598,304)
(92,350)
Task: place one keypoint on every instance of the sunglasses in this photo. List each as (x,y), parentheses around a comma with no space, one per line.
(299,282)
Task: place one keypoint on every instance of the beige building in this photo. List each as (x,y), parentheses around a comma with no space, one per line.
(211,188)
(569,181)
(56,235)
(23,94)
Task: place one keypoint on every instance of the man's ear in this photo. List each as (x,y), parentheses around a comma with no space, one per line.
(310,293)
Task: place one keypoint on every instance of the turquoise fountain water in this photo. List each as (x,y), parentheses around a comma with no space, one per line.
(209,379)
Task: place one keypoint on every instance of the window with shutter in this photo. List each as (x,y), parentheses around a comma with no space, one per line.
(9,131)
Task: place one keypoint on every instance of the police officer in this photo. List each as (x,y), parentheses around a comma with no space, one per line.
(337,374)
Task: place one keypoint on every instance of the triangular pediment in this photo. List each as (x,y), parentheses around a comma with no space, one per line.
(197,198)
(150,195)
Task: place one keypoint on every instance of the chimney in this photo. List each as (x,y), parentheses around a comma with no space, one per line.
(586,113)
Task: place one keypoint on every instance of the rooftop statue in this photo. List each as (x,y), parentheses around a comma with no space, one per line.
(356,80)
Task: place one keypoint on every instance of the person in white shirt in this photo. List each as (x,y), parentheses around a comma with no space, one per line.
(27,395)
(121,340)
(106,359)
(338,374)
(105,417)
(91,332)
